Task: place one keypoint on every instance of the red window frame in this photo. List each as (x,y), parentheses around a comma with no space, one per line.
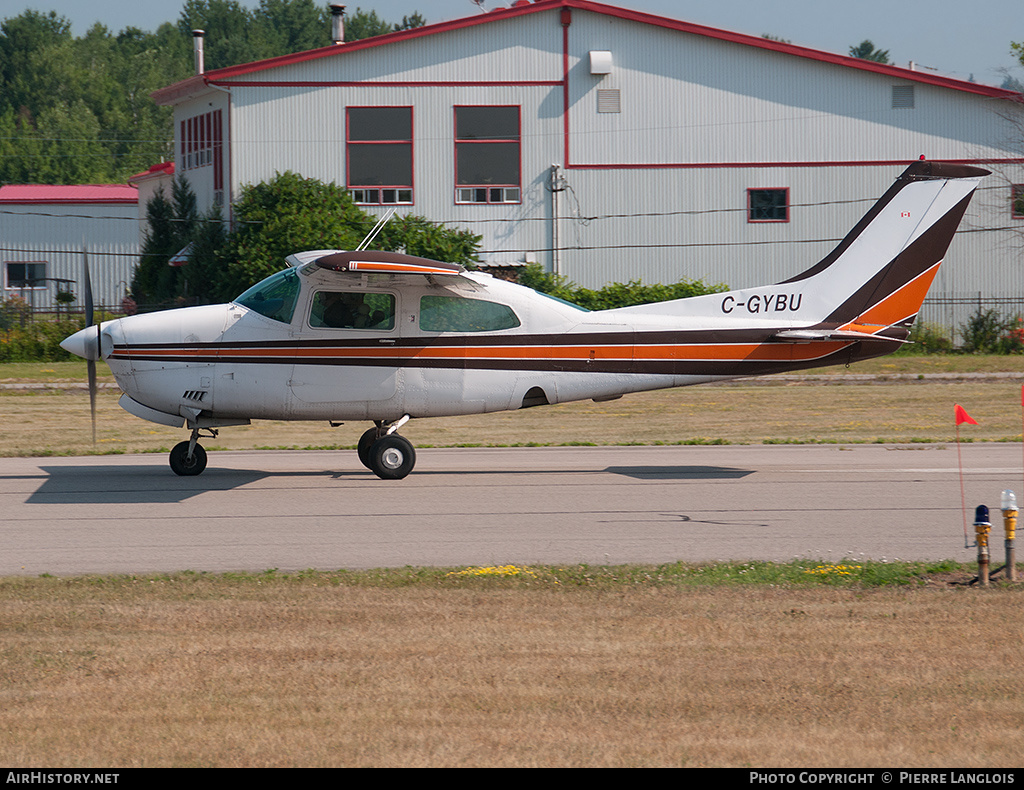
(362,192)
(490,193)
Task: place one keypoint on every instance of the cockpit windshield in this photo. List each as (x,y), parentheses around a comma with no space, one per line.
(274,297)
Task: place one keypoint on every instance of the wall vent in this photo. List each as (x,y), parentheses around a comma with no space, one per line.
(608,100)
(903,97)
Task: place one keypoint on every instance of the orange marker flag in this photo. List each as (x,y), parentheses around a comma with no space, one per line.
(962,416)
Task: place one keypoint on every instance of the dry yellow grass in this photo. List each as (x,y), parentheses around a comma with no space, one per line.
(57,422)
(306,675)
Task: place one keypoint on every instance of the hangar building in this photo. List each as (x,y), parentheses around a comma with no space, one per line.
(613,145)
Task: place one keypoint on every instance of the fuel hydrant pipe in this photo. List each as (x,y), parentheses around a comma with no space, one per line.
(982,526)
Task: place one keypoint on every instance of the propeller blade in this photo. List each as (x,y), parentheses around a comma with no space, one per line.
(88,288)
(90,364)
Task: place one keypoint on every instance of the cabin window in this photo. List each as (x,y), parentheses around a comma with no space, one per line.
(24,275)
(455,314)
(1017,201)
(379,154)
(352,310)
(274,297)
(487,166)
(768,205)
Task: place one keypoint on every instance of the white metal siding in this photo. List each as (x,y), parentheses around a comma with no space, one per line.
(701,122)
(110,233)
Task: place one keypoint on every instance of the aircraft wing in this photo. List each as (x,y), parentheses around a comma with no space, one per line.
(375,262)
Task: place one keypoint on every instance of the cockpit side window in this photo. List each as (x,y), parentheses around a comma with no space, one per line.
(456,314)
(352,310)
(274,297)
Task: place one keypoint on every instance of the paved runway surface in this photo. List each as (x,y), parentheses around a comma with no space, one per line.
(296,510)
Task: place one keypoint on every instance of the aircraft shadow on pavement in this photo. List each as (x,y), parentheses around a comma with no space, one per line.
(133,485)
(679,472)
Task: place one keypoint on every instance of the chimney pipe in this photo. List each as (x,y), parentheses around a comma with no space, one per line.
(338,23)
(197,48)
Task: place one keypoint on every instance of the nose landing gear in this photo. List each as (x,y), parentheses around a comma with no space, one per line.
(189,458)
(384,452)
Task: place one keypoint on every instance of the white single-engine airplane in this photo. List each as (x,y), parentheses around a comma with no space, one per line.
(383,336)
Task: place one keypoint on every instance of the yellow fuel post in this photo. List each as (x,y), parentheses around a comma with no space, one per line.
(1009,507)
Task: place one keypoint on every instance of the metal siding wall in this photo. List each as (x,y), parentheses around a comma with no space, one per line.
(686,99)
(691,99)
(303,130)
(110,233)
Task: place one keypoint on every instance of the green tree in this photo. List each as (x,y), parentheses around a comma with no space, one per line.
(290,213)
(865,50)
(614,294)
(172,224)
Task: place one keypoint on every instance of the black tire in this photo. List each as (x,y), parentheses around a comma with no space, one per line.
(363,448)
(392,457)
(185,466)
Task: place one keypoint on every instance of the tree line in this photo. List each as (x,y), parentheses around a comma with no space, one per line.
(77,110)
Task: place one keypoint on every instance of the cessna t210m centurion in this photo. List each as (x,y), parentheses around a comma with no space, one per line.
(384,337)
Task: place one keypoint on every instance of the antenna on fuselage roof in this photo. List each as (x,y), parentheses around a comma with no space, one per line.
(376,229)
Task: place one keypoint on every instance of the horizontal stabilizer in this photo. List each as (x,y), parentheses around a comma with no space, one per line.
(817,335)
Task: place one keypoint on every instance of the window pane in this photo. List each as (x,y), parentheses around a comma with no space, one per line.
(487,123)
(454,314)
(380,123)
(26,275)
(387,164)
(768,205)
(353,310)
(274,297)
(490,163)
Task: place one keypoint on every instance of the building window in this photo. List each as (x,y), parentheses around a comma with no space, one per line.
(1017,201)
(378,145)
(768,205)
(22,275)
(202,143)
(487,167)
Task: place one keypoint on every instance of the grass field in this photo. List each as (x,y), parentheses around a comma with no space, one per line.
(651,666)
(903,403)
(808,664)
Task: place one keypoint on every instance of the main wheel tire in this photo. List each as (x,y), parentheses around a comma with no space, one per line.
(363,448)
(185,466)
(392,457)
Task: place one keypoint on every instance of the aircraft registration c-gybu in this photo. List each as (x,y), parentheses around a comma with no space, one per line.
(382,336)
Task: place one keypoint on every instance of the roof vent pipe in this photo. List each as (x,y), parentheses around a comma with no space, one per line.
(338,23)
(197,48)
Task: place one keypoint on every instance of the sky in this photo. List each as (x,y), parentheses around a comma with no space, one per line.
(955,38)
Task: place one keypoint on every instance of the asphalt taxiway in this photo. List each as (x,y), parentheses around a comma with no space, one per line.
(473,506)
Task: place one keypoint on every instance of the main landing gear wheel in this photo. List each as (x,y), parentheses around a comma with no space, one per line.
(365,443)
(391,457)
(184,465)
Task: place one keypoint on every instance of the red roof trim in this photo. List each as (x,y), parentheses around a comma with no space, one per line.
(178,90)
(155,171)
(104,194)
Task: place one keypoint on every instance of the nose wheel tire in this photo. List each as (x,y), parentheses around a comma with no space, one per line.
(391,457)
(185,466)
